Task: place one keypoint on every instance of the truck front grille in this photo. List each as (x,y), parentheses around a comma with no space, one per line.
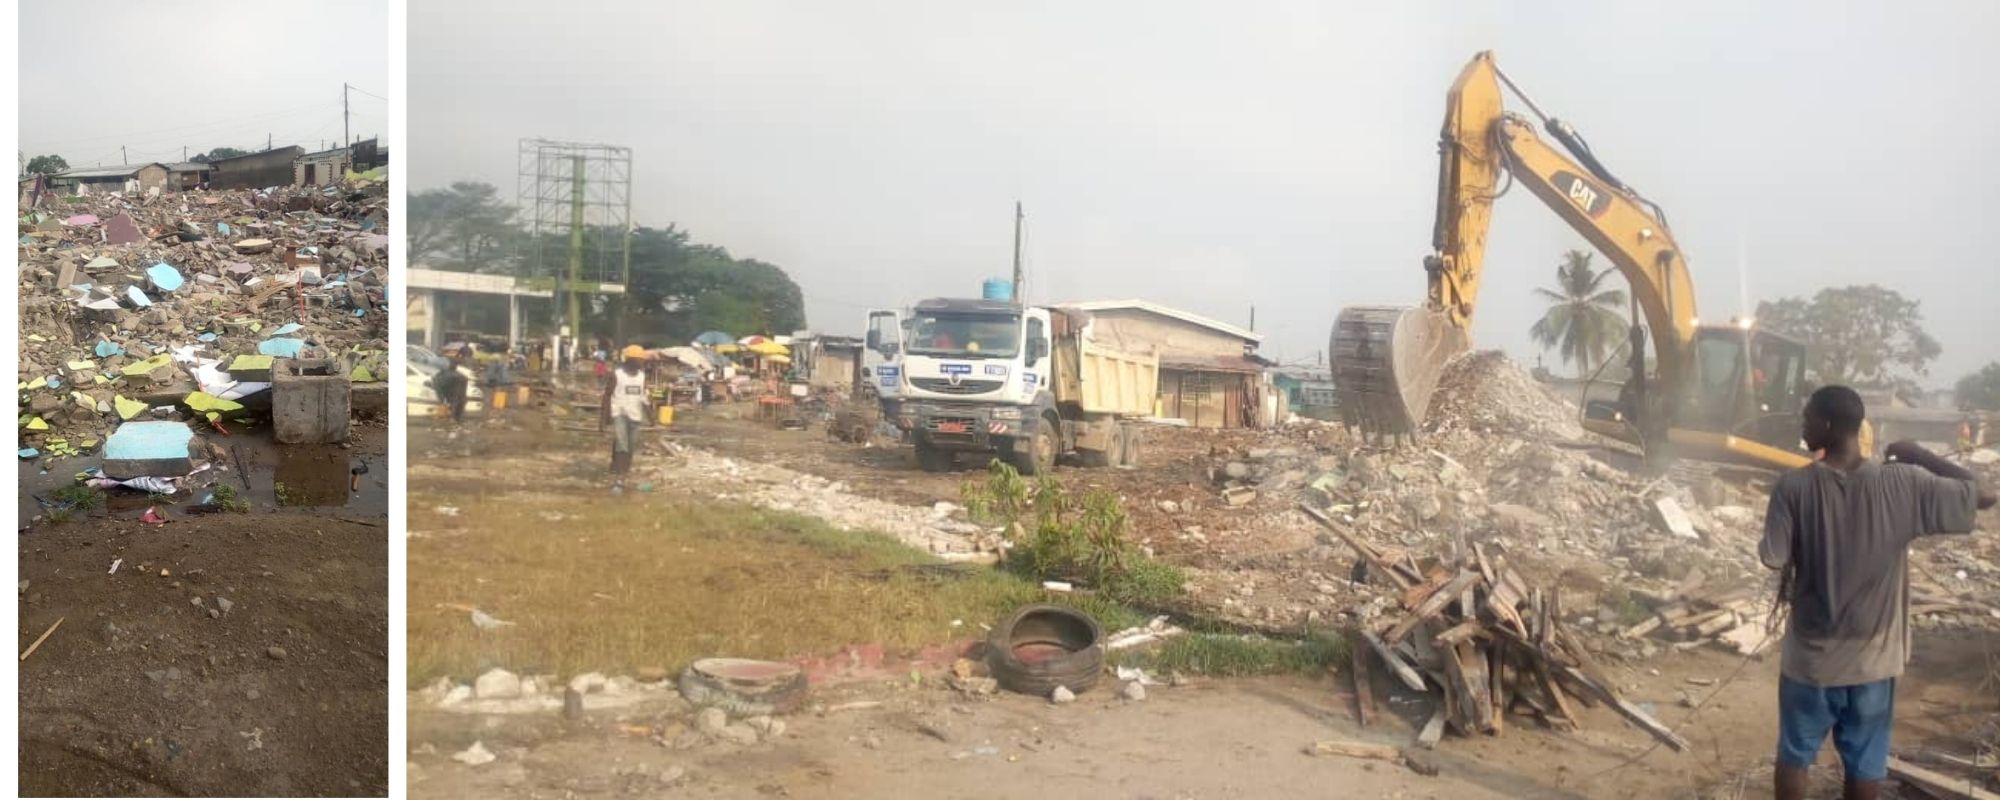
(943,386)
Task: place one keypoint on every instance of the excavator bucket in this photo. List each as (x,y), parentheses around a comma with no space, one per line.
(1386,362)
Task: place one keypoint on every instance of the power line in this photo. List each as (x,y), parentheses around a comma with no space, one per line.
(366,92)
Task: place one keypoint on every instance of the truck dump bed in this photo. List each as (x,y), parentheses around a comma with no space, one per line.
(1098,379)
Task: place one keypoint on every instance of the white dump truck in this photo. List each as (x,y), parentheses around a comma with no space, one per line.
(1025,384)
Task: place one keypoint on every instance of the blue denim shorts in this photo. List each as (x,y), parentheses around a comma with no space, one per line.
(1859,717)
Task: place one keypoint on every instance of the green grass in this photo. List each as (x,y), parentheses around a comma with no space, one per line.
(656,581)
(615,586)
(227,499)
(78,497)
(1232,655)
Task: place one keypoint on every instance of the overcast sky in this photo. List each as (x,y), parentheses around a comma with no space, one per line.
(1219,156)
(157,77)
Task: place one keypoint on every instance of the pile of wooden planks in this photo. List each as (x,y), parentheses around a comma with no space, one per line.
(1488,644)
(1737,620)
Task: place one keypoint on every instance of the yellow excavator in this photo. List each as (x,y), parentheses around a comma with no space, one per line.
(1717,392)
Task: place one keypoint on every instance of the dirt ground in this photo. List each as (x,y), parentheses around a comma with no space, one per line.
(1218,737)
(151,688)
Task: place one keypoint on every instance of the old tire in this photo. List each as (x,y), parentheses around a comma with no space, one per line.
(931,459)
(1040,647)
(743,687)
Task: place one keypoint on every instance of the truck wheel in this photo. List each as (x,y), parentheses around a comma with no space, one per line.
(1126,454)
(931,459)
(1040,454)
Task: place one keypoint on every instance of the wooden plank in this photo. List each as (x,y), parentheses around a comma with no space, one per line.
(1485,566)
(1640,629)
(1632,713)
(1403,670)
(1367,552)
(1717,625)
(1466,668)
(1433,730)
(1432,606)
(1415,596)
(1364,692)
(1938,783)
(1462,632)
(1496,671)
(1382,752)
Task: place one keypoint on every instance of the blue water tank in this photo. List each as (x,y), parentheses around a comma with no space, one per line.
(1000,289)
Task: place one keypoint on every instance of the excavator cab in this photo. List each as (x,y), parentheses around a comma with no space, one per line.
(1748,383)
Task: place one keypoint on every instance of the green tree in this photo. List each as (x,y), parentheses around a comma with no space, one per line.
(47,165)
(219,154)
(1979,391)
(463,227)
(1856,335)
(1583,321)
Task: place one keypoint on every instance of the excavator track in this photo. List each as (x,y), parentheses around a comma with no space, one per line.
(1386,362)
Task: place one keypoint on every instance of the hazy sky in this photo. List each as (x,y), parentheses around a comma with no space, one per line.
(1218,156)
(200,74)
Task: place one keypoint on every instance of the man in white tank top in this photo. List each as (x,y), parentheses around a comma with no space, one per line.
(625,410)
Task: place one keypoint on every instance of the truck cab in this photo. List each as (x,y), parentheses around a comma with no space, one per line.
(882,359)
(1026,384)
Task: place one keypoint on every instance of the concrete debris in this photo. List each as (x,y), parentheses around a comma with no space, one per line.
(1673,518)
(474,756)
(497,683)
(1133,690)
(133,315)
(1061,696)
(778,488)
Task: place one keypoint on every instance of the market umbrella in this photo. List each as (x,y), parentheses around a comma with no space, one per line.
(769,349)
(714,338)
(752,339)
(778,359)
(726,348)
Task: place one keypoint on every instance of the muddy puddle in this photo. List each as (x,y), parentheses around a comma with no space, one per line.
(350,481)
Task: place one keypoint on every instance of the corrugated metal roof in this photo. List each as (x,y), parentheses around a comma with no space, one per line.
(120,171)
(291,150)
(189,166)
(1211,363)
(1175,313)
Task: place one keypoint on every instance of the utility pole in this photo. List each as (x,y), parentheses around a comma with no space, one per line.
(1253,317)
(267,141)
(576,245)
(1020,289)
(184,153)
(121,156)
(343,115)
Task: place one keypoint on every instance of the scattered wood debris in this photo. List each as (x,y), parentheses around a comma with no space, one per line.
(1487,643)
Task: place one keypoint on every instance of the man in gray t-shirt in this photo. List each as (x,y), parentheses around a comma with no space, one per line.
(1840,528)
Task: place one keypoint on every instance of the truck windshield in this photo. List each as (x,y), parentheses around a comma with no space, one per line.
(966,336)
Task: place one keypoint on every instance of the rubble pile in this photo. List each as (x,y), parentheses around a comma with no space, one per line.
(938,530)
(1503,465)
(176,305)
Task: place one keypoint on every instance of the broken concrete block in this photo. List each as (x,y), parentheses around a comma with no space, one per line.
(165,278)
(1673,519)
(122,230)
(310,402)
(139,449)
(1239,496)
(281,346)
(253,246)
(251,369)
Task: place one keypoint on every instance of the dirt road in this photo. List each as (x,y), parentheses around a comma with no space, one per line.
(228,654)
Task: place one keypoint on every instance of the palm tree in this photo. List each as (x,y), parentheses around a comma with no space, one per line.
(1583,319)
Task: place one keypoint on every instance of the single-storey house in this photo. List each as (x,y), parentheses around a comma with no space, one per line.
(322,168)
(1210,373)
(188,175)
(125,177)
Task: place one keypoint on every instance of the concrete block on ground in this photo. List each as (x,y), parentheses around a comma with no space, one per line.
(310,401)
(139,449)
(369,400)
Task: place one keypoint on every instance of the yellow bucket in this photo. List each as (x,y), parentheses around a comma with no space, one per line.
(499,401)
(666,415)
(520,395)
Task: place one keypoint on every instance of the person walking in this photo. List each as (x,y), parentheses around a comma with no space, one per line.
(451,385)
(1839,530)
(624,411)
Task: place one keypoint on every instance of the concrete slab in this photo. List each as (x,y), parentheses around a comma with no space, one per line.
(310,402)
(138,449)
